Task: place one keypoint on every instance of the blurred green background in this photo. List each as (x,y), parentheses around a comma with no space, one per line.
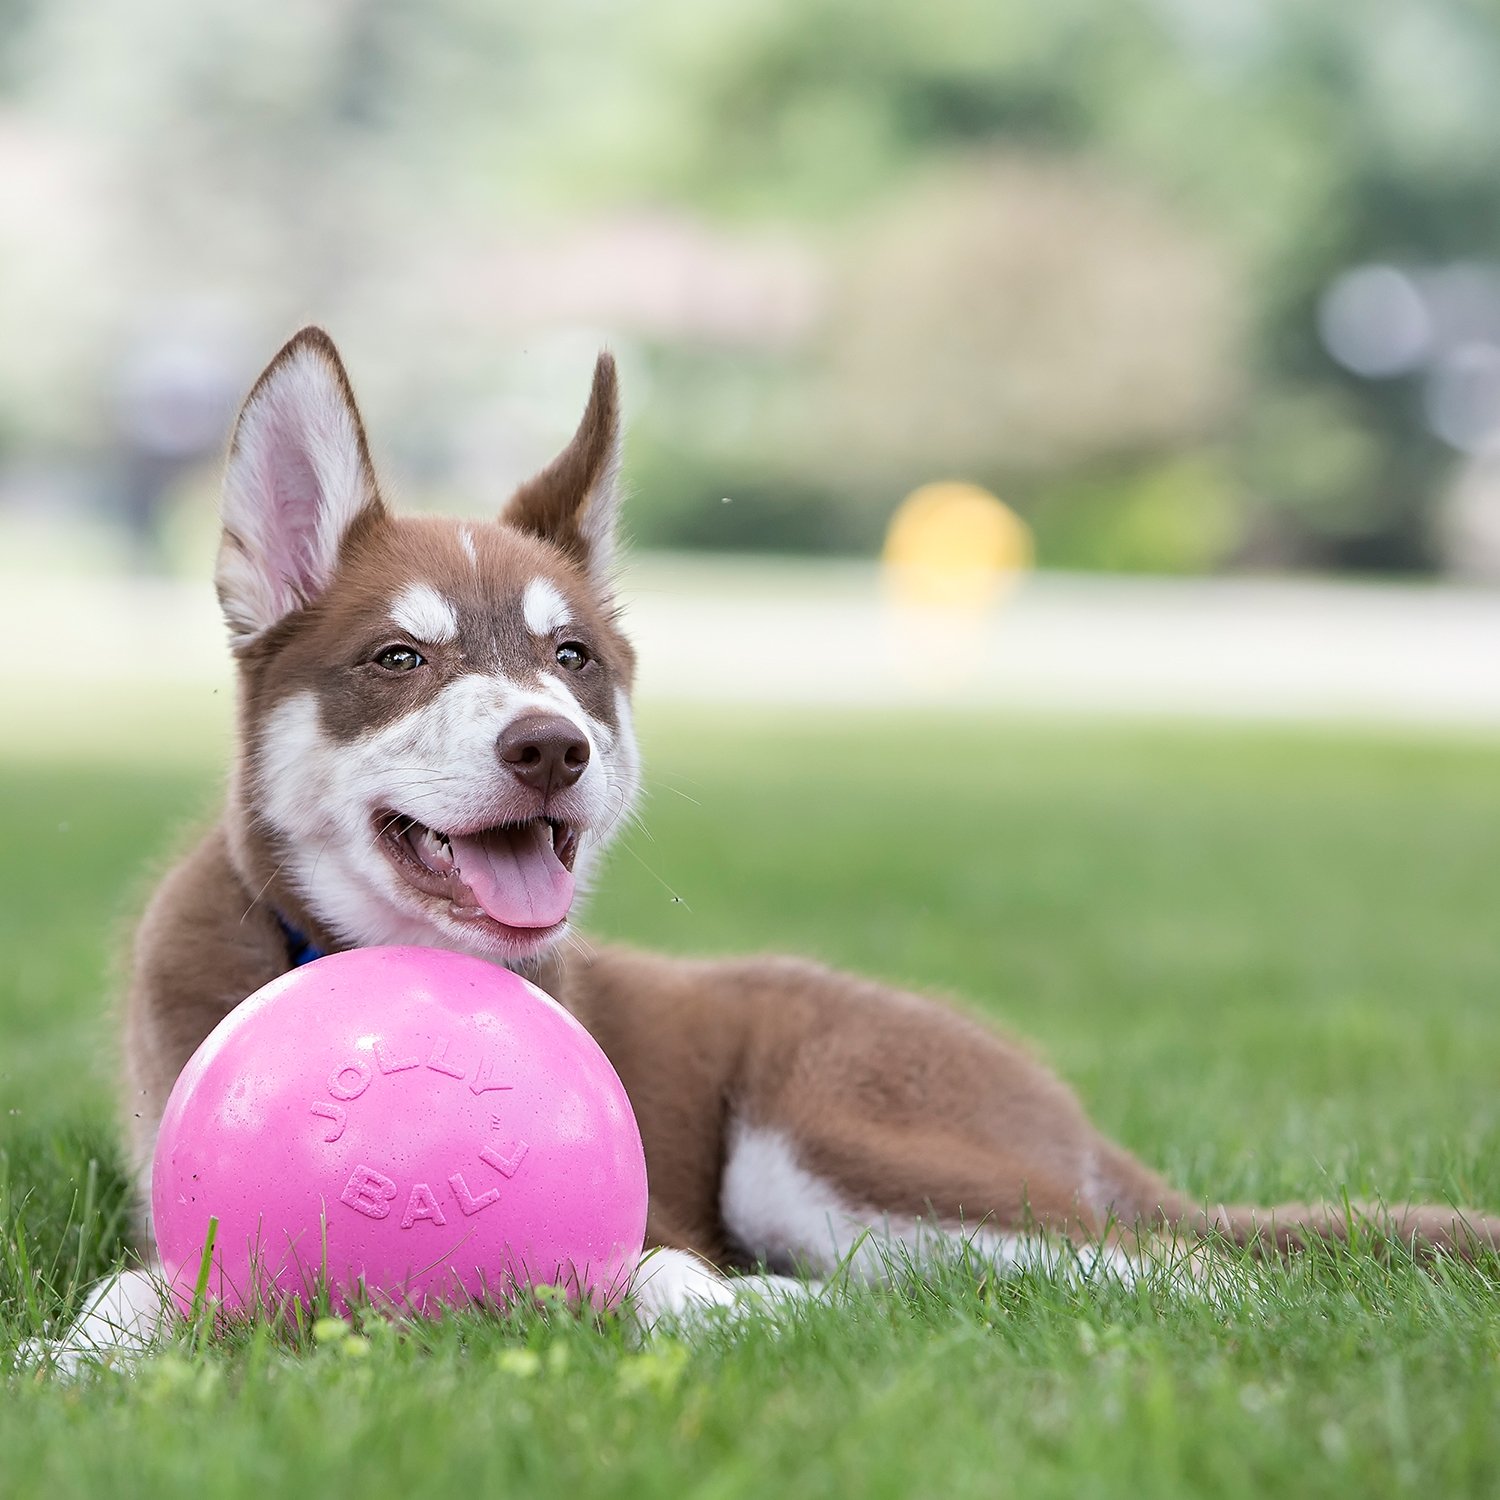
(1193,284)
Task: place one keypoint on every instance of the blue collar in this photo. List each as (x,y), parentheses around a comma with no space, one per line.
(299,949)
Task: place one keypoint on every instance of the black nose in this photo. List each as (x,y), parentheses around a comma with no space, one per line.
(545,751)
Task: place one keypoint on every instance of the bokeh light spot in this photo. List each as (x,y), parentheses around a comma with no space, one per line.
(955,546)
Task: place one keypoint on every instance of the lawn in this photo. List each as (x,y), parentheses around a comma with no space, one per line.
(1269,962)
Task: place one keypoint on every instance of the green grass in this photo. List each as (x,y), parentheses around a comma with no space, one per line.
(1268,961)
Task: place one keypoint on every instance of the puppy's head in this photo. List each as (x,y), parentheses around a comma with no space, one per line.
(435,717)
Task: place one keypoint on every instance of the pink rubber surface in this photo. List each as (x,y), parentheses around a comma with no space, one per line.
(426,1124)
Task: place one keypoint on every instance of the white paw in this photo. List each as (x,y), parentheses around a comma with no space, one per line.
(674,1287)
(118,1324)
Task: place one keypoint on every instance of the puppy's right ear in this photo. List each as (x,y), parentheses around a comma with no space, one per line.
(299,479)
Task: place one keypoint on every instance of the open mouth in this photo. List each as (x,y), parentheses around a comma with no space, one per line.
(519,875)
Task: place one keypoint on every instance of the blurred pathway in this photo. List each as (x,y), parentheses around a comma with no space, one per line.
(820,634)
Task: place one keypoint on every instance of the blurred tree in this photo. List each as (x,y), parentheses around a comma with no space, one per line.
(1398,98)
(16,17)
(1311,139)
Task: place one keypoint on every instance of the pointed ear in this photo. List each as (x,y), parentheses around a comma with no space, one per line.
(298,479)
(574,502)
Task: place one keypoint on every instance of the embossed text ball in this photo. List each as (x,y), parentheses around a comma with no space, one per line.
(414,1124)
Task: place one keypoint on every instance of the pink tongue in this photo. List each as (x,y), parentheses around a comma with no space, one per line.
(514,875)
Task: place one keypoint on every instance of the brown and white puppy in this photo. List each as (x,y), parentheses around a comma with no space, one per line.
(435,748)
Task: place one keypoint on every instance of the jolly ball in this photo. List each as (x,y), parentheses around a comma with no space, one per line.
(413,1125)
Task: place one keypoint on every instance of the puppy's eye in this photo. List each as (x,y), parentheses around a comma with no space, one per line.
(573,656)
(400,659)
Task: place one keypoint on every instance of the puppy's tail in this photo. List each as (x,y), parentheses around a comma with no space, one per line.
(1426,1229)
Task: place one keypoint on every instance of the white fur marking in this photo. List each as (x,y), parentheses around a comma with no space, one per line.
(776,1209)
(466,541)
(544,607)
(425,615)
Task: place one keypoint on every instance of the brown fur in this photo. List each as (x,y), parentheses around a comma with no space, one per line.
(905,1107)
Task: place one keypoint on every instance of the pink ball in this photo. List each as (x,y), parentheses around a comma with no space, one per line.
(421,1124)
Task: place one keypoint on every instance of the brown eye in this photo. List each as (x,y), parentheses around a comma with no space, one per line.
(573,656)
(400,659)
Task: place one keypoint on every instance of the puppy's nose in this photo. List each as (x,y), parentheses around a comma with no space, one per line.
(545,751)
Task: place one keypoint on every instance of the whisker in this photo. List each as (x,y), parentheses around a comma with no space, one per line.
(580,945)
(280,866)
(676,899)
(255,899)
(623,811)
(666,786)
(317,858)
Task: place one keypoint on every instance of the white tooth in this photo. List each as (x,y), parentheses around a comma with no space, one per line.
(435,852)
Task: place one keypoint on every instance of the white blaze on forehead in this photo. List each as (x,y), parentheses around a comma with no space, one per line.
(544,607)
(423,612)
(466,541)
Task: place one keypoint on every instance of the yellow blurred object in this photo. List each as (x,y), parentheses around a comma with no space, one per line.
(954,546)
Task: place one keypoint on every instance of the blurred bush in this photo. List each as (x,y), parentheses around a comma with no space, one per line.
(1180,514)
(1019,318)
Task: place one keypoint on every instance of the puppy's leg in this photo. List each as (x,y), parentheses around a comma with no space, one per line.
(870,1126)
(809,1202)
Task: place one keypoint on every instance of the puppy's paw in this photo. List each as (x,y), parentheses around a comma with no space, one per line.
(118,1324)
(674,1288)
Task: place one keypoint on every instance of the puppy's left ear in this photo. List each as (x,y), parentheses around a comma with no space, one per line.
(574,502)
(298,483)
